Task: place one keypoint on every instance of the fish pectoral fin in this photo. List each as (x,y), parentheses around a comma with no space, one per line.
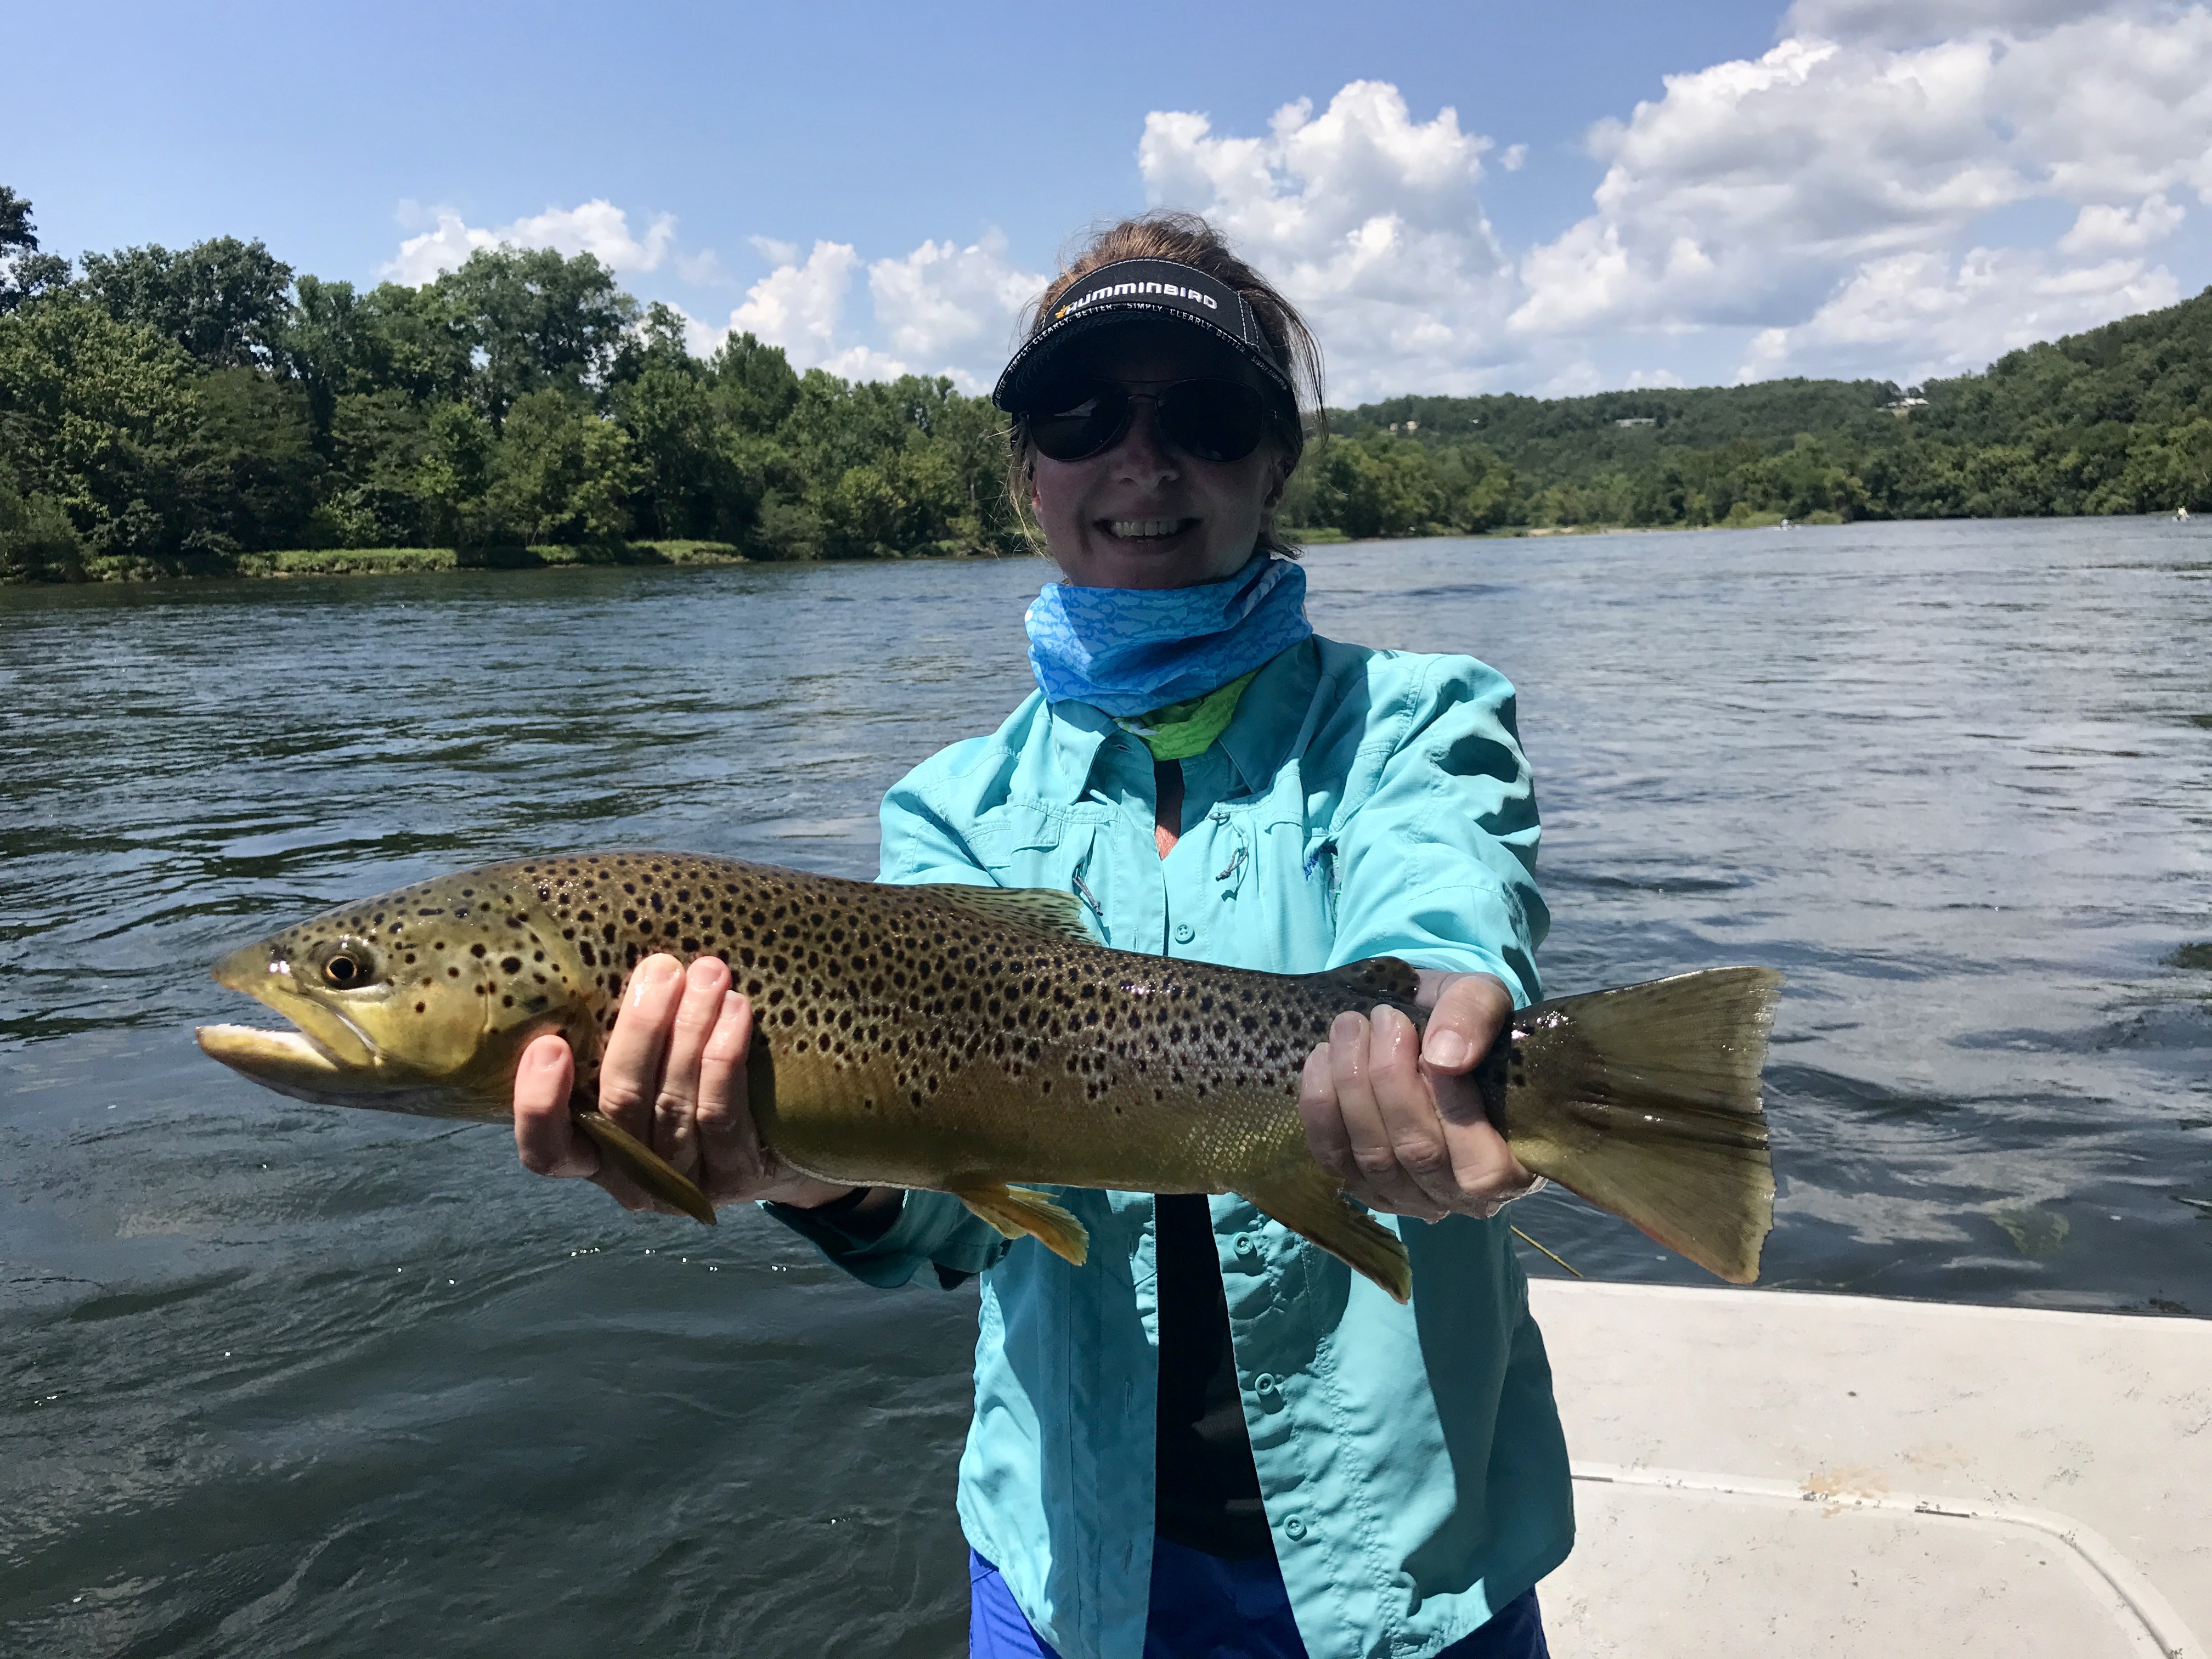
(1017,1210)
(1311,1205)
(625,1152)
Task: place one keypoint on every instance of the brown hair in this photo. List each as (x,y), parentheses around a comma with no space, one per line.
(1165,233)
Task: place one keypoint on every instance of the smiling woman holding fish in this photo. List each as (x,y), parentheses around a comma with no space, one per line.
(1333,1474)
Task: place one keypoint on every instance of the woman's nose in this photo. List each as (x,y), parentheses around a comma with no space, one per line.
(1143,455)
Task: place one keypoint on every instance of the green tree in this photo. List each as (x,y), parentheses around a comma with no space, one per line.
(225,301)
(539,322)
(562,473)
(248,470)
(454,479)
(95,415)
(25,273)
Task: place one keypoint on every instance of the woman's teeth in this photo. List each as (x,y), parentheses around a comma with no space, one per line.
(1135,529)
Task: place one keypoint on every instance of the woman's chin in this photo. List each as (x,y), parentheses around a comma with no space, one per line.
(1183,560)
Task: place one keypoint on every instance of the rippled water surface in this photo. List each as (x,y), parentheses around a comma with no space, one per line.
(281,1379)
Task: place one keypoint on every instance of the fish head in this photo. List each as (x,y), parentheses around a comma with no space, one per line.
(420,1000)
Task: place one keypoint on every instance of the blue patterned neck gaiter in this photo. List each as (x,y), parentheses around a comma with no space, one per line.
(1129,650)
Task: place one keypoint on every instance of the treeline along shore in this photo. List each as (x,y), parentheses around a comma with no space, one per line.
(213,411)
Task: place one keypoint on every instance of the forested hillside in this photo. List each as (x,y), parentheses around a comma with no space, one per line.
(169,411)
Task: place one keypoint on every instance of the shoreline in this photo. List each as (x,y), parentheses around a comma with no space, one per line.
(292,563)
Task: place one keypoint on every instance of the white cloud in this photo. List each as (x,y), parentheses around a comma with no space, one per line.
(1367,219)
(959,307)
(1922,22)
(596,226)
(798,307)
(2098,227)
(1831,195)
(1912,316)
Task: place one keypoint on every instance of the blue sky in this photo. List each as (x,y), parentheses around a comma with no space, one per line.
(1475,197)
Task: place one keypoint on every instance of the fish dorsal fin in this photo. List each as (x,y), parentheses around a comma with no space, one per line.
(1386,977)
(1034,909)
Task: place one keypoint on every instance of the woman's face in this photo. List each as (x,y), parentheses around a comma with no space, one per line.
(1143,514)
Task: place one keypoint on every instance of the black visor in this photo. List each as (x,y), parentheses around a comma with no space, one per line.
(1132,288)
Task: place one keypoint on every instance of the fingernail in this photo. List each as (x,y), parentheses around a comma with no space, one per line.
(545,1057)
(1445,1049)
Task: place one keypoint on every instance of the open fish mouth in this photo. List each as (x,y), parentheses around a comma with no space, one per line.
(290,1062)
(253,1051)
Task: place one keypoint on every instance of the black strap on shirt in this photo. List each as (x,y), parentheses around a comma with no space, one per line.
(1209,1491)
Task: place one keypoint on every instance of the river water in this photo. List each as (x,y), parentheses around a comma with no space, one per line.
(280,1379)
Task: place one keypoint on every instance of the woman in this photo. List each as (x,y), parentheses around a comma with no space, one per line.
(1332,1474)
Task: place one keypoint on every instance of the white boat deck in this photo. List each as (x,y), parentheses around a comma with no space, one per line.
(1762,1473)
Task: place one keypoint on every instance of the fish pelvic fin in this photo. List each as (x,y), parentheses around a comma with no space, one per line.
(1311,1205)
(1015,1211)
(1645,1101)
(625,1152)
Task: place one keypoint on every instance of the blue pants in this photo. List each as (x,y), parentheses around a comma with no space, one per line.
(1204,1607)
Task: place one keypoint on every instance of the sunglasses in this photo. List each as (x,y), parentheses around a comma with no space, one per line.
(1207,420)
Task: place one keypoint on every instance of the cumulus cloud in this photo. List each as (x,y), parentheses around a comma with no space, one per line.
(800,304)
(596,226)
(945,303)
(1828,194)
(1368,219)
(1941,318)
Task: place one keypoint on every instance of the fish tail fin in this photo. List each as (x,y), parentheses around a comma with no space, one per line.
(625,1152)
(1311,1205)
(1015,1211)
(1645,1101)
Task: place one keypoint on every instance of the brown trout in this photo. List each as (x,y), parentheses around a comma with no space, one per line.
(977,1040)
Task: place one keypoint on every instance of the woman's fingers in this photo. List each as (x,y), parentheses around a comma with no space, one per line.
(1404,1103)
(732,1163)
(1402,1134)
(1467,1013)
(675,1106)
(545,1135)
(630,1069)
(1367,1095)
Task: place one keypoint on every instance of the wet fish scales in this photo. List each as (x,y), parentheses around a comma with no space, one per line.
(964,1039)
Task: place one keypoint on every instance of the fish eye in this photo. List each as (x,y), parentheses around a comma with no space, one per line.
(347,966)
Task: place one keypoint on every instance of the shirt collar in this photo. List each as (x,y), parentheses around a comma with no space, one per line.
(1269,717)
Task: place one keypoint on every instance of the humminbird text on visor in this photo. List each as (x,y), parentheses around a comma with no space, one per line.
(1122,289)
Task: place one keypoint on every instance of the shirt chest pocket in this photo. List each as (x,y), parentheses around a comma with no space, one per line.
(1024,846)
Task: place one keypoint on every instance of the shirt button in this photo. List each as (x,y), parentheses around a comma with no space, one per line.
(1294,1528)
(1247,1246)
(1185,932)
(1264,1383)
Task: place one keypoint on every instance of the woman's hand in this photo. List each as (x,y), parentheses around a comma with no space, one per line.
(1392,1113)
(674,1076)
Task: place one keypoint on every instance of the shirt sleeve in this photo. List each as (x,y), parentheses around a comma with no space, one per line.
(1437,862)
(921,845)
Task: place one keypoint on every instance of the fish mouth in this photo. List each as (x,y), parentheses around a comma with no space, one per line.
(323,1041)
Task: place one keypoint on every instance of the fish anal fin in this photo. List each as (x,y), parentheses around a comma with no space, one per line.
(1015,1211)
(1311,1205)
(1384,977)
(625,1152)
(1034,909)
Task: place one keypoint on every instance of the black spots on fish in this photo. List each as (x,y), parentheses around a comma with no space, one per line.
(537,956)
(506,1002)
(630,887)
(590,957)
(410,957)
(514,964)
(752,987)
(790,1015)
(421,1007)
(629,916)
(453,973)
(476,950)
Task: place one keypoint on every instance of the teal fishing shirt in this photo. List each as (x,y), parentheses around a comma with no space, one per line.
(1361,803)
